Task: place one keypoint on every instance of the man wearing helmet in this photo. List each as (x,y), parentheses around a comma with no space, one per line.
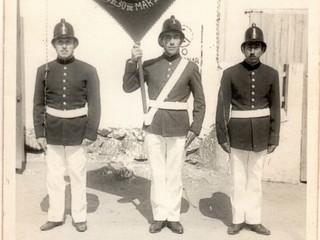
(170,79)
(250,130)
(66,116)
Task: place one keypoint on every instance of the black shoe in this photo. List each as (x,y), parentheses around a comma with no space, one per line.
(157,226)
(81,226)
(50,225)
(258,228)
(235,228)
(175,227)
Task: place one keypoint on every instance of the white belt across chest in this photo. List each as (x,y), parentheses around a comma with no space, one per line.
(159,102)
(68,113)
(250,113)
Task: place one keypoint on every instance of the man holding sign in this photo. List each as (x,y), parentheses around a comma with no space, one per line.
(170,79)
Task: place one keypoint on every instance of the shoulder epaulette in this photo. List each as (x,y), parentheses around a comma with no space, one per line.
(151,61)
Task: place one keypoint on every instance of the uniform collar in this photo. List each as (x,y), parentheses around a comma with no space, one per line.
(171,58)
(70,60)
(249,66)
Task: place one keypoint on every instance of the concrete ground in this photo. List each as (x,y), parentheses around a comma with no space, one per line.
(120,209)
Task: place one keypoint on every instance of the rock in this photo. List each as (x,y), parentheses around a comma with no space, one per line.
(111,147)
(135,134)
(119,134)
(139,134)
(207,151)
(121,165)
(135,149)
(31,141)
(105,132)
(194,157)
(192,161)
(141,137)
(194,146)
(95,146)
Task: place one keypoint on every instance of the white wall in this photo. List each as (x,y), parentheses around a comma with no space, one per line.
(237,21)
(105,45)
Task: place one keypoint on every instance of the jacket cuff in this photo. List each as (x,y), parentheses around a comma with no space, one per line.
(195,129)
(273,139)
(90,134)
(39,131)
(131,66)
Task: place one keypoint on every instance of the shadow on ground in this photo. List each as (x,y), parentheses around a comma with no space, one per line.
(92,202)
(217,207)
(135,190)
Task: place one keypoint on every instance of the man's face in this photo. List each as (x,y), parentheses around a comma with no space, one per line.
(64,47)
(252,52)
(171,42)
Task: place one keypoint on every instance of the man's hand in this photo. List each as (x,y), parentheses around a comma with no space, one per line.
(136,52)
(226,147)
(271,148)
(190,137)
(86,142)
(42,143)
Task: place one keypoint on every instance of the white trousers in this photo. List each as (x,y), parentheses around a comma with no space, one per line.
(166,156)
(59,159)
(246,191)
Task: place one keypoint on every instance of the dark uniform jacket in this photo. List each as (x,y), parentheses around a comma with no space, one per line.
(71,84)
(169,123)
(246,87)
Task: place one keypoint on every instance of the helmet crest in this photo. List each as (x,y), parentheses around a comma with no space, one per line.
(64,30)
(254,35)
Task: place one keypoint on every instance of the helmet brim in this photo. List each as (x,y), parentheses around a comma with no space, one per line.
(76,41)
(264,45)
(169,30)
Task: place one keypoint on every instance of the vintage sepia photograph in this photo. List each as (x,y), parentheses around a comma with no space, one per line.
(160,119)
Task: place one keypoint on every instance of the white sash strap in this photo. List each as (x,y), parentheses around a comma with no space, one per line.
(168,105)
(148,117)
(68,113)
(250,113)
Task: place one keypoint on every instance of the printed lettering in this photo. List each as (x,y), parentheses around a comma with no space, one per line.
(130,7)
(123,5)
(144,5)
(184,51)
(195,60)
(138,6)
(149,2)
(114,2)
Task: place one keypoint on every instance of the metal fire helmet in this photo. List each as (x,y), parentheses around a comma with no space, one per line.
(171,24)
(64,30)
(254,35)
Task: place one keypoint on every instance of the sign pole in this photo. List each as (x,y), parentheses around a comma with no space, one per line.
(142,87)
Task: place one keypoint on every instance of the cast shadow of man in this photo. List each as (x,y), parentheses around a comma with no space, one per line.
(92,201)
(217,207)
(134,190)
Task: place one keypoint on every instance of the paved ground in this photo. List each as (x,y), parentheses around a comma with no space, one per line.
(120,209)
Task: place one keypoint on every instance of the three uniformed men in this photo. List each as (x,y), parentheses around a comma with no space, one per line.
(251,130)
(66,116)
(170,79)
